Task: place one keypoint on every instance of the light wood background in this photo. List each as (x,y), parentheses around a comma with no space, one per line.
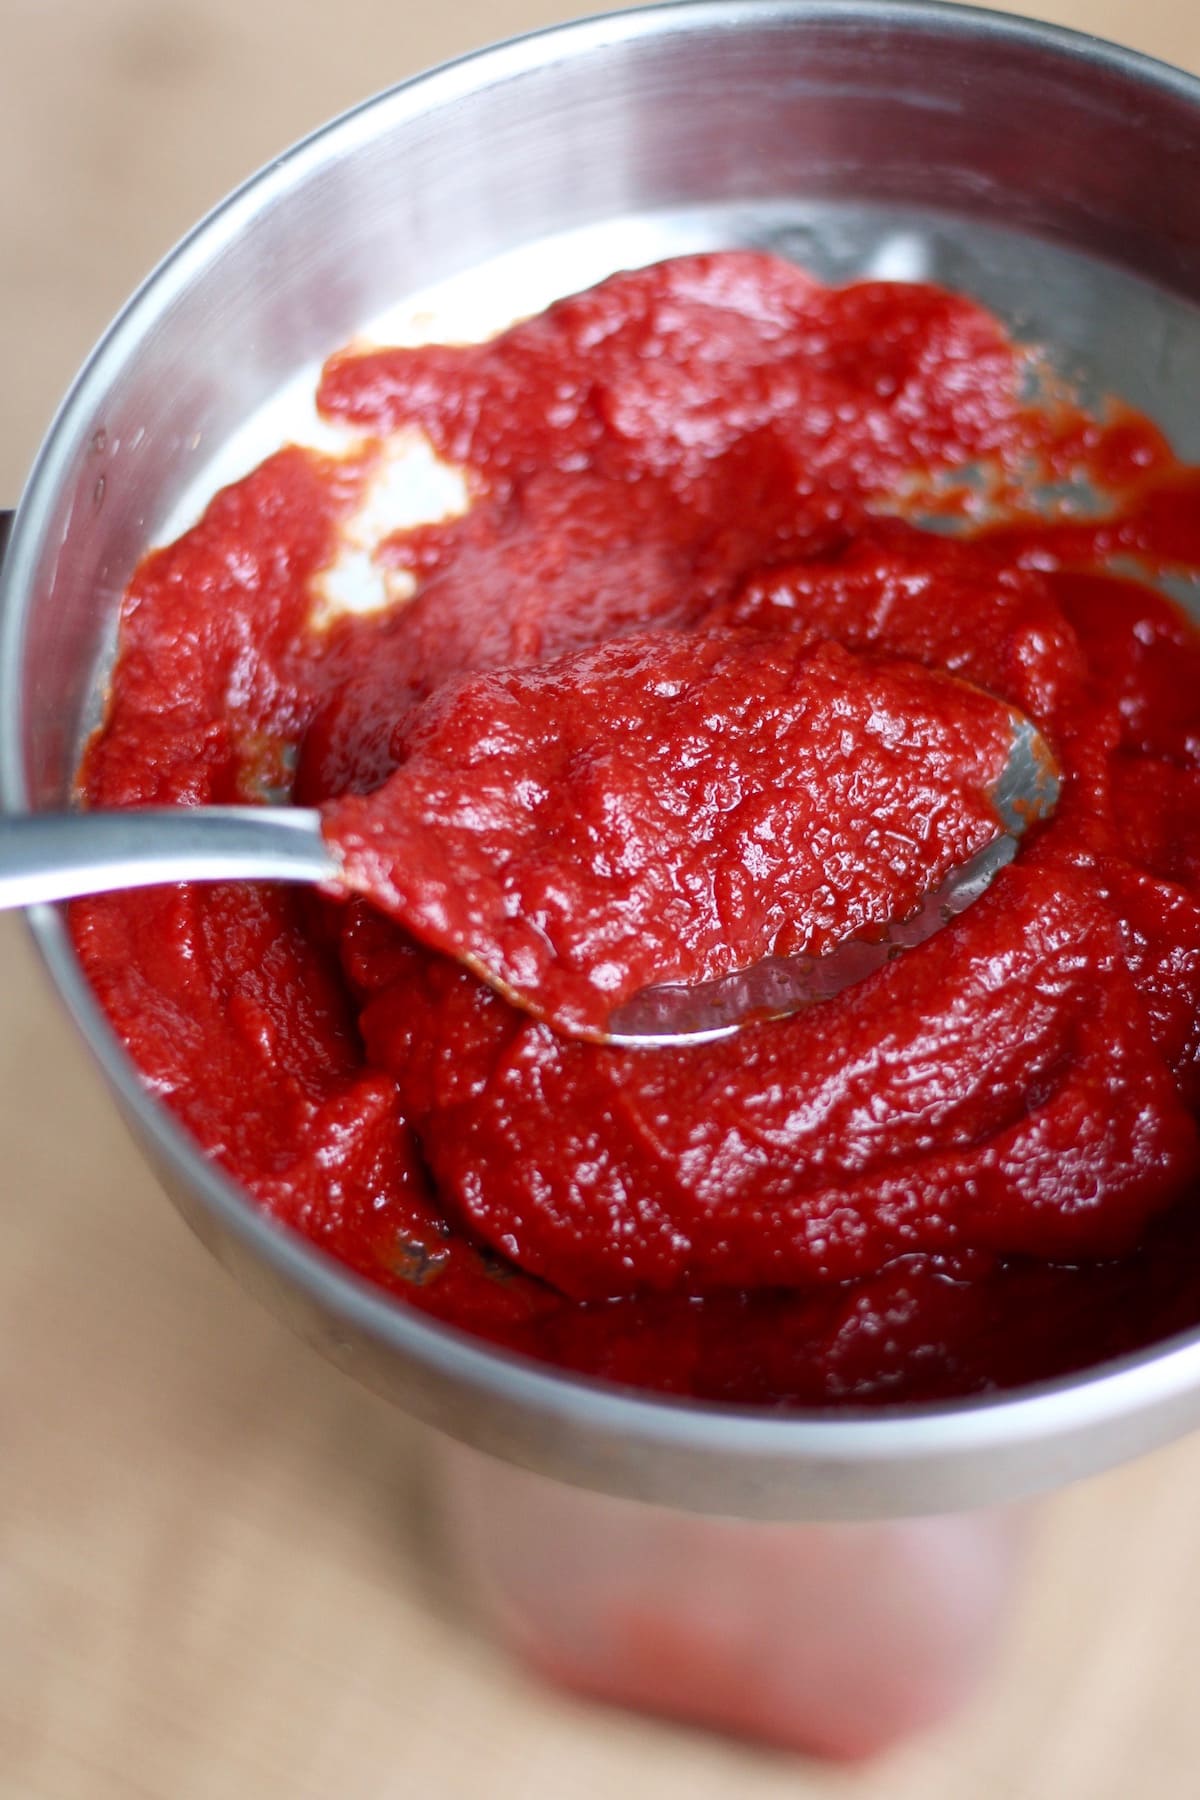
(219,1576)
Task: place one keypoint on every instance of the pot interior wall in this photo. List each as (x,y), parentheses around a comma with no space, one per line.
(825,137)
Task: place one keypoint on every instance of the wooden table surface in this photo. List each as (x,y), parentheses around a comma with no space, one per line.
(219,1569)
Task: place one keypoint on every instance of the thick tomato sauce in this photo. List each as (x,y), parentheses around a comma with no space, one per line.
(670,808)
(978,1167)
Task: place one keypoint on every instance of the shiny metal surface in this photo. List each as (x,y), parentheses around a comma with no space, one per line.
(1036,169)
(55,856)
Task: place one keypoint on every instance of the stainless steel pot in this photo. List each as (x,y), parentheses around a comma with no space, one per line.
(1046,173)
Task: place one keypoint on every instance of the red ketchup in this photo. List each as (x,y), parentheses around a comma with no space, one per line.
(717,661)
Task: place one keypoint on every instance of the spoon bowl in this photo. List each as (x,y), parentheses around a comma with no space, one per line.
(60,856)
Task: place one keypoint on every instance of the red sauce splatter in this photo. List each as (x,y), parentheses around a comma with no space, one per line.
(976,1169)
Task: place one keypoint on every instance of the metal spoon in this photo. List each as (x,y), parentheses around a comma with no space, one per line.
(58,856)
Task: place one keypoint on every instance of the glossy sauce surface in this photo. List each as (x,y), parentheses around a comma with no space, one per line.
(671,808)
(978,1167)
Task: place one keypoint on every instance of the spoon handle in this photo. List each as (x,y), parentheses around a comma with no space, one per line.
(56,856)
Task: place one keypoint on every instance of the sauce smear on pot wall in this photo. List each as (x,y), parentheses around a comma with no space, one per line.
(975,1169)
